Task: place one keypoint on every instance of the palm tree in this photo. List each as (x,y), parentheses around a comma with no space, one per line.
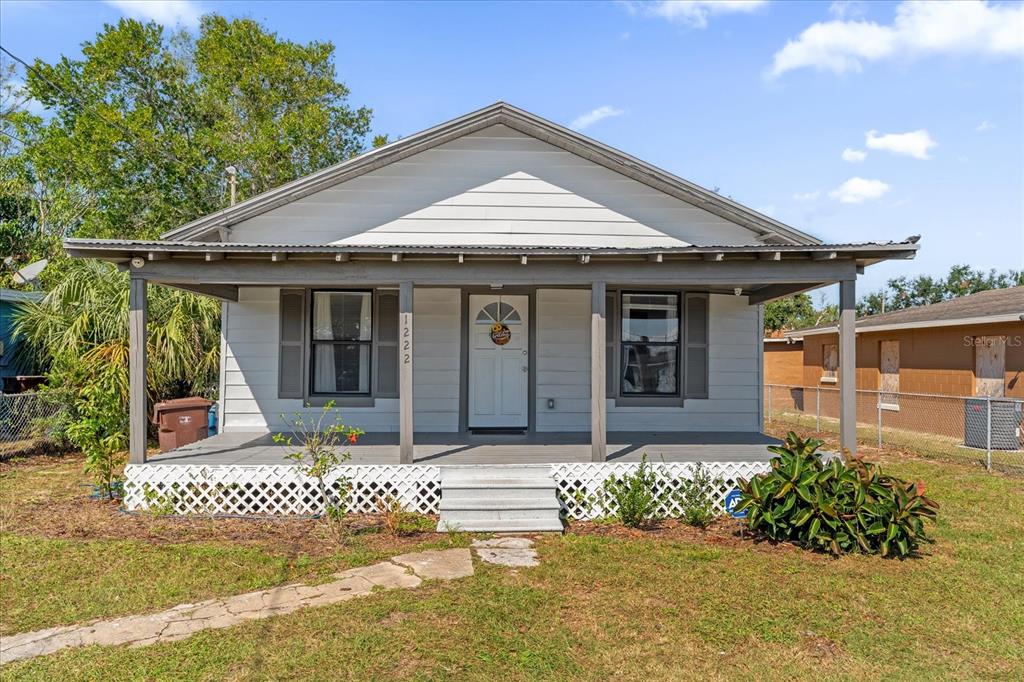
(81,328)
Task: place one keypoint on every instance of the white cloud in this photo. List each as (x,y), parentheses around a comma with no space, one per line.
(916,143)
(985,126)
(858,190)
(591,117)
(847,8)
(854,155)
(807,196)
(166,12)
(692,13)
(919,28)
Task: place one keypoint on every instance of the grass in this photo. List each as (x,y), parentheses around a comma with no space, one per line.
(646,607)
(926,445)
(66,559)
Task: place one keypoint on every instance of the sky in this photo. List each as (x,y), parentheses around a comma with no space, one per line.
(852,121)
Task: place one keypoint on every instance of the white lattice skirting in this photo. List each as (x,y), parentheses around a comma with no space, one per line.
(284,490)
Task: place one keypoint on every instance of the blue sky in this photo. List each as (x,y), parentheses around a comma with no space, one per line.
(852,121)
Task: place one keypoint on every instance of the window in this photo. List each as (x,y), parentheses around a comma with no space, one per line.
(829,363)
(989,366)
(889,369)
(342,342)
(649,344)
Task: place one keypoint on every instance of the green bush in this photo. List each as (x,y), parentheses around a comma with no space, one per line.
(636,496)
(697,495)
(836,507)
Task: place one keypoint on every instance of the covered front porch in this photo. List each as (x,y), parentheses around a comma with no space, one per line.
(564,297)
(441,449)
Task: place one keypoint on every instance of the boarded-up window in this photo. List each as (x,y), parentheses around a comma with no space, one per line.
(889,367)
(989,366)
(830,363)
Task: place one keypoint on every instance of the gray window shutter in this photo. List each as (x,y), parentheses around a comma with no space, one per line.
(695,349)
(386,340)
(292,343)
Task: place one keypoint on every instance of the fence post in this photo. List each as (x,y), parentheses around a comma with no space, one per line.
(988,433)
(879,401)
(817,409)
(769,403)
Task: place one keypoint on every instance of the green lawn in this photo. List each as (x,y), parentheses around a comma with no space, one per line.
(601,607)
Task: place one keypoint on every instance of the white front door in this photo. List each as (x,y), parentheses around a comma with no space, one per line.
(499,361)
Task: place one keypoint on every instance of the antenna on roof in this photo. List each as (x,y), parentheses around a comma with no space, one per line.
(232,180)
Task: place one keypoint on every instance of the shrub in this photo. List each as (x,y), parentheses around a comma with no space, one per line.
(636,496)
(696,496)
(398,521)
(836,507)
(314,445)
(100,432)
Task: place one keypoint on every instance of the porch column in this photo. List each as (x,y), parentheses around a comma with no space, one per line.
(598,434)
(847,366)
(137,416)
(405,372)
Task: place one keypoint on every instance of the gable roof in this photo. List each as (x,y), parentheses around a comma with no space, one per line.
(770,231)
(984,307)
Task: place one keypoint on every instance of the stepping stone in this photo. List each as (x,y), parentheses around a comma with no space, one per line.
(515,552)
(446,564)
(505,543)
(385,574)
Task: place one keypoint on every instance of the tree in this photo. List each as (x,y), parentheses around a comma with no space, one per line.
(796,312)
(139,132)
(145,123)
(962,280)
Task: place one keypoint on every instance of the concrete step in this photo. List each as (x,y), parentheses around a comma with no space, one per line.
(488,515)
(539,503)
(503,526)
(499,498)
(495,494)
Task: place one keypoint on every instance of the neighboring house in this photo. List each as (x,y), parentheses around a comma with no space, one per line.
(496,289)
(967,346)
(784,361)
(10,364)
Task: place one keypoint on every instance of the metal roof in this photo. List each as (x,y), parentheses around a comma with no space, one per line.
(984,307)
(122,249)
(499,113)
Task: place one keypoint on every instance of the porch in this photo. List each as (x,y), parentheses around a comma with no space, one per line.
(441,449)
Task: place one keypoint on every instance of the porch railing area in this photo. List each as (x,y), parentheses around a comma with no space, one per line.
(239,490)
(980,430)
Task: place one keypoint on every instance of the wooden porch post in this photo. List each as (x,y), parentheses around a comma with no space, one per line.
(405,441)
(137,416)
(598,369)
(847,366)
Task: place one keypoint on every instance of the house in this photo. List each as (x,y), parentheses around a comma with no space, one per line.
(967,346)
(496,290)
(12,363)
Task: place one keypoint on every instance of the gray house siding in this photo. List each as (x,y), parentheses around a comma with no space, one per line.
(249,390)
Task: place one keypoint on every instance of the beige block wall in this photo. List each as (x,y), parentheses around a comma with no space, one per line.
(938,360)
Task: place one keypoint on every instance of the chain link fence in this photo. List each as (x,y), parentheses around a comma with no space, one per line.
(978,430)
(26,420)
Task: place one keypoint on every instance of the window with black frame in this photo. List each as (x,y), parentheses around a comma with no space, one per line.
(342,342)
(650,344)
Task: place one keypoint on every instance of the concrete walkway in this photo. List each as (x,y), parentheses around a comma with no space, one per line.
(403,571)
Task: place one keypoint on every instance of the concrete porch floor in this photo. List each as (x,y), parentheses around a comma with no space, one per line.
(459,448)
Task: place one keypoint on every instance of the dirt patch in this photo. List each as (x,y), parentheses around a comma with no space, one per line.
(50,497)
(723,532)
